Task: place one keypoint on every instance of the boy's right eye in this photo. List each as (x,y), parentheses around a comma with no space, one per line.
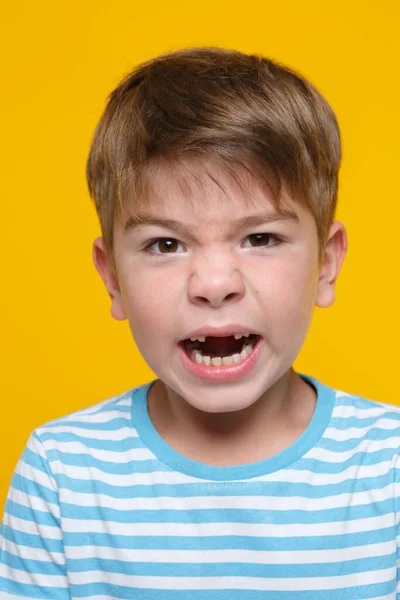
(164,246)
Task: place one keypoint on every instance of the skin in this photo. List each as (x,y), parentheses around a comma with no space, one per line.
(217,275)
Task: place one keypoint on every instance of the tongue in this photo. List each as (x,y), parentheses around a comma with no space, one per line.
(221,346)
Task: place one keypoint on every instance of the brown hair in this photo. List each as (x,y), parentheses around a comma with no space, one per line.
(221,107)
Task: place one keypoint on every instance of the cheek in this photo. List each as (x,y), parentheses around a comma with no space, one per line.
(150,301)
(289,287)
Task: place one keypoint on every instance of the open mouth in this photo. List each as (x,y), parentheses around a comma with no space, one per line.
(220,351)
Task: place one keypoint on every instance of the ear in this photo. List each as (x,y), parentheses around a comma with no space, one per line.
(104,267)
(335,252)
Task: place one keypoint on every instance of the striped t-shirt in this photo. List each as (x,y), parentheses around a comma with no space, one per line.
(101,507)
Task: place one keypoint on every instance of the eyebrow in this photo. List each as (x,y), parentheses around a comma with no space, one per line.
(243,223)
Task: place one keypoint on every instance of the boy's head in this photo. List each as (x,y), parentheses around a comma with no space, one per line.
(215,178)
(235,111)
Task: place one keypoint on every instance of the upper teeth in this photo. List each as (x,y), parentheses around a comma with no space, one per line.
(202,338)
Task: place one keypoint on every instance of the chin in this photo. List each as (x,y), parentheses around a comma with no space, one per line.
(220,400)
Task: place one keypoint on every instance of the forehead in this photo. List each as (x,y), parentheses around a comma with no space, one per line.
(206,194)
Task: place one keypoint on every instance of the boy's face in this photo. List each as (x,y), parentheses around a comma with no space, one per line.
(210,264)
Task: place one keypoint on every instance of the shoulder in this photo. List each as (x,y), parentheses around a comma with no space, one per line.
(350,419)
(115,406)
(359,423)
(349,410)
(96,443)
(356,408)
(100,424)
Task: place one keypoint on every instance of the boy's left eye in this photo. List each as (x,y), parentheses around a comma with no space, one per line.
(261,240)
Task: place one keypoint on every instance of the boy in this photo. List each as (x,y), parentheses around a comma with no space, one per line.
(214,175)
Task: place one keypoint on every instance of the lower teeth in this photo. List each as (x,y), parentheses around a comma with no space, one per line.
(217,361)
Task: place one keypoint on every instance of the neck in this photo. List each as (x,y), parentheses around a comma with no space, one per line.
(263,429)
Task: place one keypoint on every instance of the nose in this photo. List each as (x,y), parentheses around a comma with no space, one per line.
(215,283)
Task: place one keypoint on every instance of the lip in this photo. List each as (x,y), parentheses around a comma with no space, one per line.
(224,331)
(224,373)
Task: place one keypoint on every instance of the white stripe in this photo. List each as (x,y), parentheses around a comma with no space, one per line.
(123,399)
(36,553)
(33,474)
(367,446)
(346,411)
(229,529)
(7,596)
(320,454)
(38,579)
(151,478)
(115,435)
(341,394)
(175,478)
(36,447)
(237,583)
(100,418)
(283,557)
(34,502)
(227,502)
(43,531)
(107,456)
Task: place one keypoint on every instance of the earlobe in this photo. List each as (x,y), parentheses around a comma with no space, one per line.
(103,265)
(334,255)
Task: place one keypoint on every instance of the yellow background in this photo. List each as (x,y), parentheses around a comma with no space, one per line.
(60,349)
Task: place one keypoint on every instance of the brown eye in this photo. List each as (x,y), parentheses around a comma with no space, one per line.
(261,239)
(167,245)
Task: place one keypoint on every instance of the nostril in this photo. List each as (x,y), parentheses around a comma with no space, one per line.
(231,296)
(227,298)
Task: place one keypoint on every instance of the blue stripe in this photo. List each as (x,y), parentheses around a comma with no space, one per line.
(134,443)
(105,407)
(32,488)
(33,566)
(28,514)
(361,422)
(152,541)
(32,540)
(362,592)
(33,592)
(357,402)
(234,569)
(372,435)
(112,407)
(34,460)
(365,459)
